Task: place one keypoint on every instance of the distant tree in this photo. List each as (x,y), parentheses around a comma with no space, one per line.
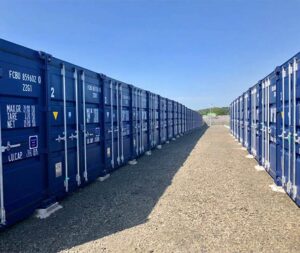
(216,110)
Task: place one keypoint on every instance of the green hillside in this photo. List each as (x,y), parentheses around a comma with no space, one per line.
(216,110)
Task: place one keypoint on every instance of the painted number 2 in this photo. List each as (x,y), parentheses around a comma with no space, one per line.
(52,92)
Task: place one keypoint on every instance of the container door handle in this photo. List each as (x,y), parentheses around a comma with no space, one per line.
(73,136)
(288,136)
(297,139)
(60,138)
(9,146)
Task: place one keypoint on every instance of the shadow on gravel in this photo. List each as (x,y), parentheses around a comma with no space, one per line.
(123,201)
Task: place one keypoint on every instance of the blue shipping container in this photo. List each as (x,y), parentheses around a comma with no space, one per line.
(63,126)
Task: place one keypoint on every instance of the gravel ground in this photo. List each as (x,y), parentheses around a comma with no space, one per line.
(198,194)
(218,120)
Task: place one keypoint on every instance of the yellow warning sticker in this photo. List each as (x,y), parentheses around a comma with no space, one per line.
(55,115)
(282,114)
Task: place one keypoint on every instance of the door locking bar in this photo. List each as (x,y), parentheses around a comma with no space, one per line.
(9,146)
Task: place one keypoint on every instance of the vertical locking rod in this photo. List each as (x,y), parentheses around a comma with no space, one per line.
(112,124)
(77,128)
(2,208)
(283,127)
(84,127)
(63,73)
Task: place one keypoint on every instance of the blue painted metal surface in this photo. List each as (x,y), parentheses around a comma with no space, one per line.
(274,124)
(22,136)
(63,126)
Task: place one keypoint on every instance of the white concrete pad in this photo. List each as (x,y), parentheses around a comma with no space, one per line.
(259,168)
(132,162)
(101,179)
(276,188)
(46,212)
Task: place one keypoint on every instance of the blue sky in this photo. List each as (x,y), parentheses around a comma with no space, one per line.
(200,53)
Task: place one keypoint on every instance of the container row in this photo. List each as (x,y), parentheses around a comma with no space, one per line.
(63,126)
(266,120)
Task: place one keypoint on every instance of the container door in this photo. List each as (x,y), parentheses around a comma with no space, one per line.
(238,118)
(265,124)
(144,120)
(22,168)
(170,119)
(246,143)
(175,118)
(151,119)
(117,123)
(241,120)
(184,119)
(140,141)
(269,125)
(231,119)
(91,125)
(253,121)
(156,121)
(180,119)
(272,119)
(259,123)
(125,123)
(136,122)
(284,123)
(64,164)
(163,121)
(290,141)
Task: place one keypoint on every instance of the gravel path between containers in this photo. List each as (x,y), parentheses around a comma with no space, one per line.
(198,194)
